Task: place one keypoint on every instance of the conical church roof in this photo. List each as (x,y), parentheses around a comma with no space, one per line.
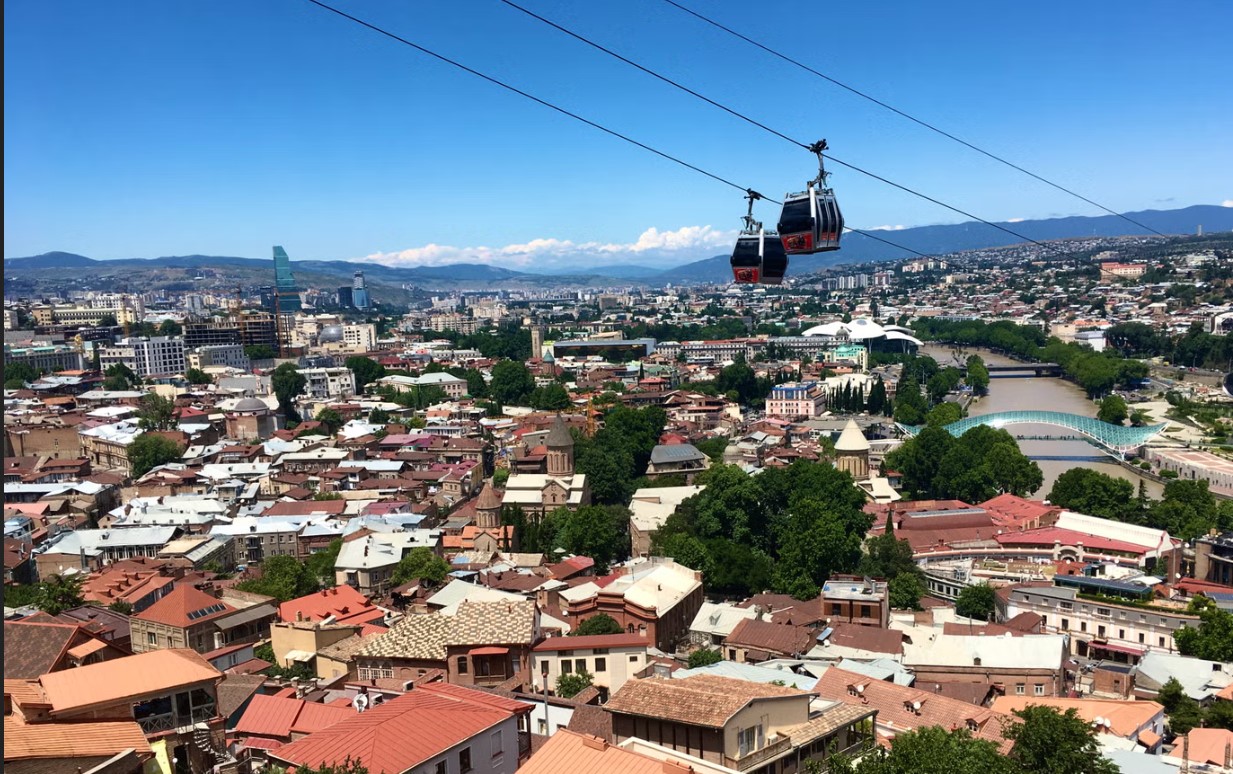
(559,435)
(852,439)
(488,500)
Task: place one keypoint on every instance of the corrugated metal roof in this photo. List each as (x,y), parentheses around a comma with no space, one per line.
(72,740)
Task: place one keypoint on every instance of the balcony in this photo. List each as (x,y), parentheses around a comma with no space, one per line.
(756,758)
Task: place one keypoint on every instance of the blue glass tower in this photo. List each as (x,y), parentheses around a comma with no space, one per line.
(284,281)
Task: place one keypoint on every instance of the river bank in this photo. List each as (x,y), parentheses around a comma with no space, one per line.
(1044,393)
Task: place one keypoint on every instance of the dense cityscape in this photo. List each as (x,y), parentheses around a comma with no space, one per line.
(543,387)
(708,528)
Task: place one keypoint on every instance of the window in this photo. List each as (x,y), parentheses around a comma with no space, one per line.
(462,665)
(495,743)
(732,654)
(1100,631)
(749,739)
(601,665)
(1121,634)
(442,768)
(1065,624)
(464,760)
(865,611)
(1083,626)
(580,665)
(567,666)
(1162,642)
(633,659)
(1039,689)
(1141,638)
(1019,689)
(836,609)
(151,638)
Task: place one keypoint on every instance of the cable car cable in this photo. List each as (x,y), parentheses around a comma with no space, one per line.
(807,146)
(908,116)
(572,115)
(522,93)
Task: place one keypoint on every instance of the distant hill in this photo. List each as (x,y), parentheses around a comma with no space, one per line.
(938,240)
(857,248)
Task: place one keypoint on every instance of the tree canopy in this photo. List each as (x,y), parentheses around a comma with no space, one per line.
(1213,639)
(977,601)
(149,450)
(790,527)
(282,577)
(288,383)
(420,564)
(981,464)
(600,623)
(365,369)
(512,382)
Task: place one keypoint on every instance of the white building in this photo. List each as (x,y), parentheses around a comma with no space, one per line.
(328,383)
(610,659)
(147,356)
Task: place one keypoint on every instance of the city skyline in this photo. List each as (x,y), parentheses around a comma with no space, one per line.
(364,149)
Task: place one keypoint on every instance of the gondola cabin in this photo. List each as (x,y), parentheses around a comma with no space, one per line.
(759,258)
(810,222)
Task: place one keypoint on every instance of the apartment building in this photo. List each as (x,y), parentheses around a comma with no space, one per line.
(328,383)
(610,659)
(1101,625)
(795,400)
(147,356)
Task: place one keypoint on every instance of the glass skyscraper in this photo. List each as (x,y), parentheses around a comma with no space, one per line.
(359,292)
(284,280)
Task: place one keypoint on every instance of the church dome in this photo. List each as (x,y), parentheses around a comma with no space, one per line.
(250,405)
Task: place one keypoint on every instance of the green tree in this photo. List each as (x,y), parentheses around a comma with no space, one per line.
(321,564)
(910,405)
(259,352)
(600,623)
(944,414)
(421,564)
(331,419)
(107,321)
(1097,494)
(20,372)
(1112,410)
(1212,640)
(156,412)
(121,606)
(348,765)
(149,450)
(379,416)
(978,375)
(705,657)
(1182,712)
(59,593)
(905,591)
(571,684)
(512,383)
(594,531)
(476,386)
(1050,742)
(282,577)
(365,369)
(119,371)
(930,750)
(978,601)
(553,397)
(197,376)
(170,327)
(288,383)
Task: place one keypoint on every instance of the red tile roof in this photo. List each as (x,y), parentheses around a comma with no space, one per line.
(72,740)
(893,705)
(345,603)
(277,716)
(406,731)
(183,608)
(1048,536)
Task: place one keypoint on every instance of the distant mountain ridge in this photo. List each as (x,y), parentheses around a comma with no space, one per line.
(857,248)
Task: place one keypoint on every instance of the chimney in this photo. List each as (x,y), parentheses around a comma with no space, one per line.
(299,615)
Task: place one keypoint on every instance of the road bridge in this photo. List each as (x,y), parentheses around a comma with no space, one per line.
(1116,439)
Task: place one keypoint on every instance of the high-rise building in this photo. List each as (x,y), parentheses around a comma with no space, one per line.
(344,297)
(284,281)
(359,292)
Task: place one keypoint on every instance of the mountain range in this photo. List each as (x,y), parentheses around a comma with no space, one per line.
(857,248)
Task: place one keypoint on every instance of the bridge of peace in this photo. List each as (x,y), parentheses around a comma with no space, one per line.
(1114,439)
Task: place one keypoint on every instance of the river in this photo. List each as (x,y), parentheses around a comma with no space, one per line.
(1048,393)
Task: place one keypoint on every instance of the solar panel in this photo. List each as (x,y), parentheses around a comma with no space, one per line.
(205,611)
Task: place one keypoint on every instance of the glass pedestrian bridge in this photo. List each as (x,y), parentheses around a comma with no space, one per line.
(1114,438)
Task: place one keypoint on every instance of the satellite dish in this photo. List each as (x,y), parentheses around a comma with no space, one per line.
(360,702)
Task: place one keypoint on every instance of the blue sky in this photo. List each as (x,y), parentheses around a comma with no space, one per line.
(143,128)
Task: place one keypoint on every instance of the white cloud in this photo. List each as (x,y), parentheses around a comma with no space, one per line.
(685,243)
(886,228)
(1015,220)
(1227,203)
